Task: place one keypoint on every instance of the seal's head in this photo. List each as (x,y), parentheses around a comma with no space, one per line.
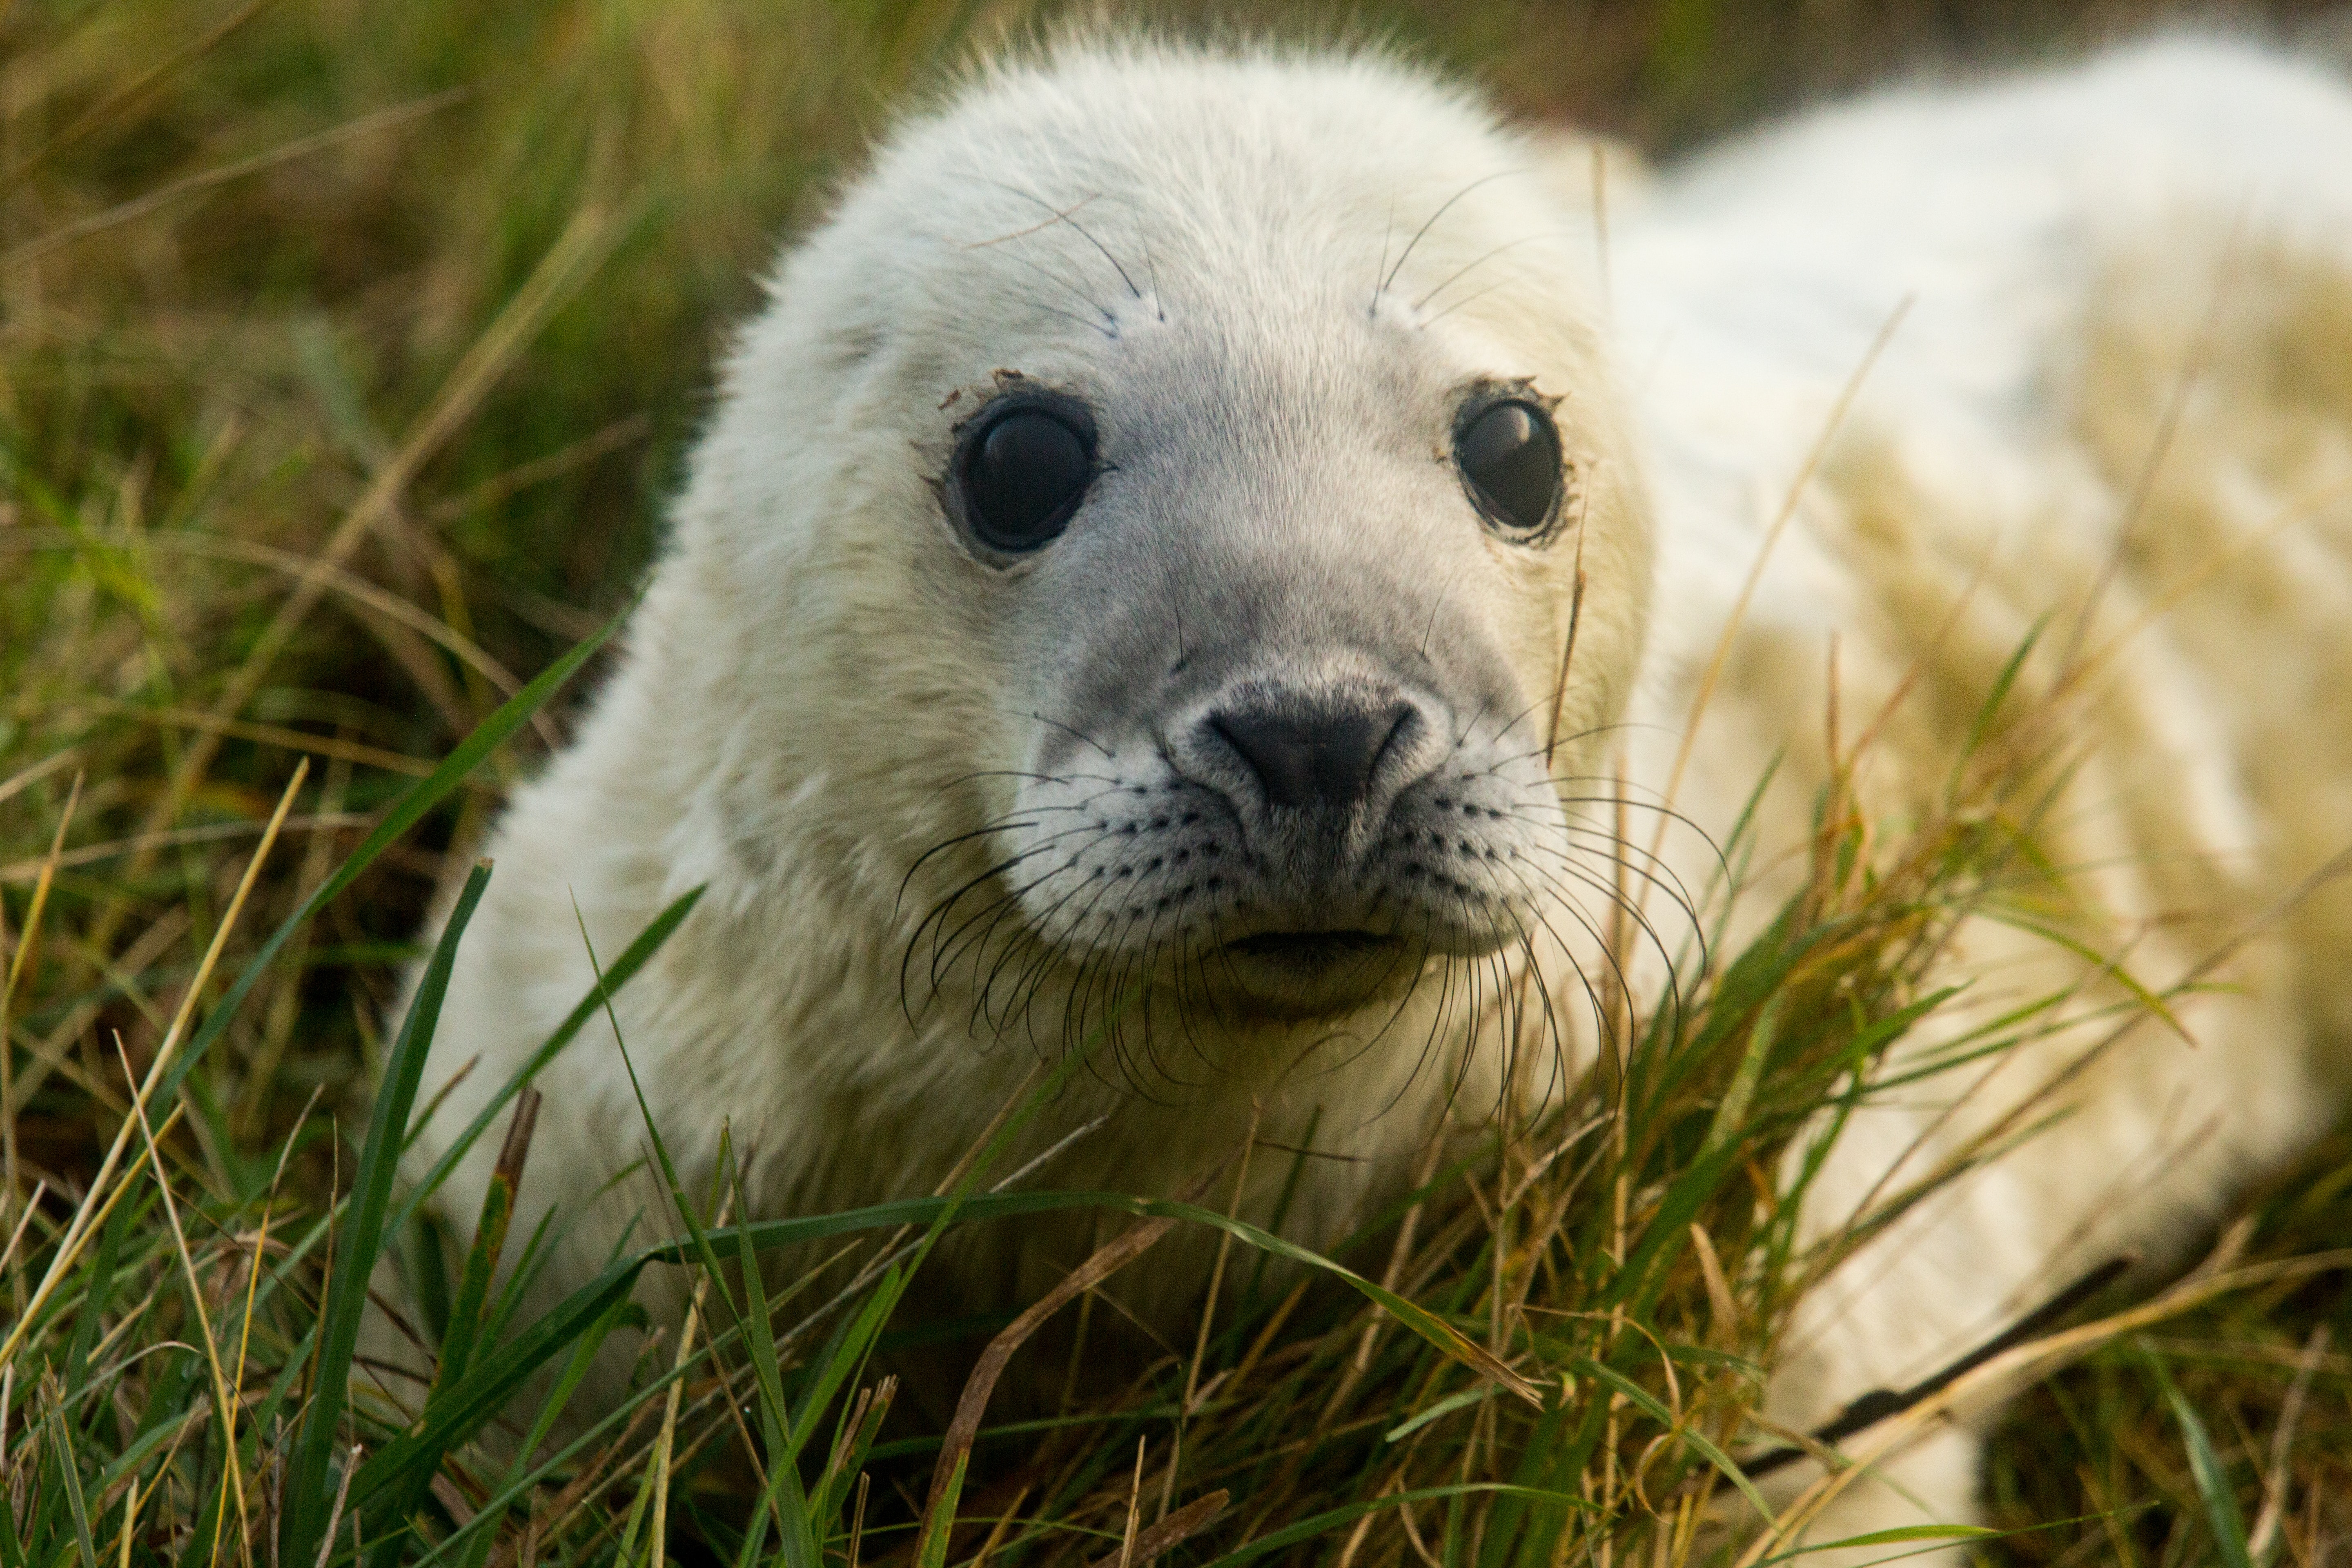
(1154,519)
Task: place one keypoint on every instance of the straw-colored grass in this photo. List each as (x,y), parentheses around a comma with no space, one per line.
(346,353)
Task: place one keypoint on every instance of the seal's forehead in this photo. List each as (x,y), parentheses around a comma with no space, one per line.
(1238,142)
(1070,203)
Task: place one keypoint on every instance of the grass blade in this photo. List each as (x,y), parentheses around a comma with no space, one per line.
(466,1313)
(916,1211)
(1650,1406)
(468,1308)
(784,1497)
(339,1322)
(635,957)
(2205,1467)
(1323,1523)
(428,793)
(583,1356)
(76,1509)
(493,1380)
(848,1355)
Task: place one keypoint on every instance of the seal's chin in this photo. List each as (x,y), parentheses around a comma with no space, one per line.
(1312,974)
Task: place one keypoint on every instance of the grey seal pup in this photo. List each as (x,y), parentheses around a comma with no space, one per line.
(1171,558)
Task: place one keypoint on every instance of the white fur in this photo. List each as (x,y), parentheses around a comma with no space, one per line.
(2072,248)
(821,685)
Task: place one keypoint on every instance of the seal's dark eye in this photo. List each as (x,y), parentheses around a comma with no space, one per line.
(1510,454)
(1021,472)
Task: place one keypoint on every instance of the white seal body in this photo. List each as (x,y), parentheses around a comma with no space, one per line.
(960,805)
(2063,352)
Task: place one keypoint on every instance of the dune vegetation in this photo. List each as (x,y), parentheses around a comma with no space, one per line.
(347,353)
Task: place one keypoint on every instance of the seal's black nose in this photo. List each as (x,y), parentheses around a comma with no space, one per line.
(1313,753)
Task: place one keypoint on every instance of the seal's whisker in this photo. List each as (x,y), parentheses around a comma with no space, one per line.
(1000,825)
(1463,303)
(1445,973)
(939,914)
(1078,733)
(1063,215)
(1107,325)
(984,987)
(1043,922)
(943,950)
(1107,328)
(944,943)
(1431,222)
(1548,1022)
(1591,845)
(1468,268)
(1570,738)
(1473,1016)
(1615,899)
(1031,980)
(940,911)
(1576,860)
(1151,946)
(1539,705)
(1560,899)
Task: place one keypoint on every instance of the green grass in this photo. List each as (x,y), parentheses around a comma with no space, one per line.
(429,294)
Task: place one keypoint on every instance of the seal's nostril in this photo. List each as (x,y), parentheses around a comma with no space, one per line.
(1323,755)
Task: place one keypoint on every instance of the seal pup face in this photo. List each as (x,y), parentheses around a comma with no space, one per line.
(1168,491)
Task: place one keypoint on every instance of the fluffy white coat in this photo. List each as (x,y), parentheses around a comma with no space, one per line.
(2116,311)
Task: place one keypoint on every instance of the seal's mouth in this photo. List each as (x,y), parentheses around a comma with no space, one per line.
(1313,950)
(1310,973)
